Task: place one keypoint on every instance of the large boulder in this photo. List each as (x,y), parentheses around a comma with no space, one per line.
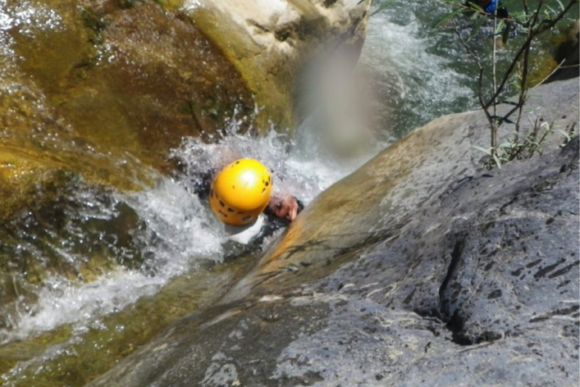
(421,268)
(95,93)
(270,42)
(104,88)
(104,91)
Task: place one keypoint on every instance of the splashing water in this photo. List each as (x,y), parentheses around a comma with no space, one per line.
(175,229)
(174,234)
(416,82)
(298,167)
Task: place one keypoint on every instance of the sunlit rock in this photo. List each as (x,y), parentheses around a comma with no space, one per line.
(94,95)
(269,42)
(417,267)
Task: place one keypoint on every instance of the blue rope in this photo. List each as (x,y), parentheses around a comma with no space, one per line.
(491,6)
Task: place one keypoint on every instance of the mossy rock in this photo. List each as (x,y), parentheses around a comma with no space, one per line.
(105,90)
(118,334)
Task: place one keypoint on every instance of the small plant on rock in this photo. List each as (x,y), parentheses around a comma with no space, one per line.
(495,87)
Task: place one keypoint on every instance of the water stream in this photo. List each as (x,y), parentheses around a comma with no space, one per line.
(134,255)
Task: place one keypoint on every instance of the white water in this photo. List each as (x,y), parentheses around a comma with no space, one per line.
(419,84)
(177,228)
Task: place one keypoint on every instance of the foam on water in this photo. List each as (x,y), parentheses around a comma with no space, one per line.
(177,232)
(177,228)
(424,84)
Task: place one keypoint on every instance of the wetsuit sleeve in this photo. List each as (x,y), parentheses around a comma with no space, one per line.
(202,184)
(300,205)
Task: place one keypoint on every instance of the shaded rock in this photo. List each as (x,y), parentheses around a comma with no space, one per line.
(95,93)
(421,268)
(568,56)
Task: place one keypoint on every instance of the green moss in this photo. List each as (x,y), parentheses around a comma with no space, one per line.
(101,94)
(117,335)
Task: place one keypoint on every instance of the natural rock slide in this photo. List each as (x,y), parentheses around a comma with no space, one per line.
(421,268)
(95,96)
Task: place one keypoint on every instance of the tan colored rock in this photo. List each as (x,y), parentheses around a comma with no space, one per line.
(105,88)
(269,42)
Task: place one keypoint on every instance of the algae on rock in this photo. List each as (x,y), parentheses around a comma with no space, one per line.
(93,96)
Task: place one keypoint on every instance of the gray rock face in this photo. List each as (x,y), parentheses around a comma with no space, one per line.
(420,269)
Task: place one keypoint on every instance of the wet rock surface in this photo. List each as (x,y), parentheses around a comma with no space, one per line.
(94,94)
(271,42)
(105,89)
(421,268)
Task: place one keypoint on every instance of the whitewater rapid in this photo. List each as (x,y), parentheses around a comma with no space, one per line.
(177,231)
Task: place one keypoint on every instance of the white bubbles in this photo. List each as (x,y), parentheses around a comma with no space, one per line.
(61,302)
(28,16)
(420,82)
(191,5)
(299,167)
(179,229)
(175,233)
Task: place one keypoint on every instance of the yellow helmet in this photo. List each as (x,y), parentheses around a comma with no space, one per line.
(240,192)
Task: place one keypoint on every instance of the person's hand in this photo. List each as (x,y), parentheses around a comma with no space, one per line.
(293,208)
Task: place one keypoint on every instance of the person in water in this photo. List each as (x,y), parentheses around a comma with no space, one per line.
(242,191)
(490,6)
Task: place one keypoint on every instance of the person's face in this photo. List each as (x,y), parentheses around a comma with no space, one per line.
(285,208)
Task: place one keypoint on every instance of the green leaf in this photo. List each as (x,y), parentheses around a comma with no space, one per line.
(497,161)
(476,28)
(448,17)
(505,34)
(519,16)
(476,7)
(499,27)
(561,5)
(486,151)
(565,134)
